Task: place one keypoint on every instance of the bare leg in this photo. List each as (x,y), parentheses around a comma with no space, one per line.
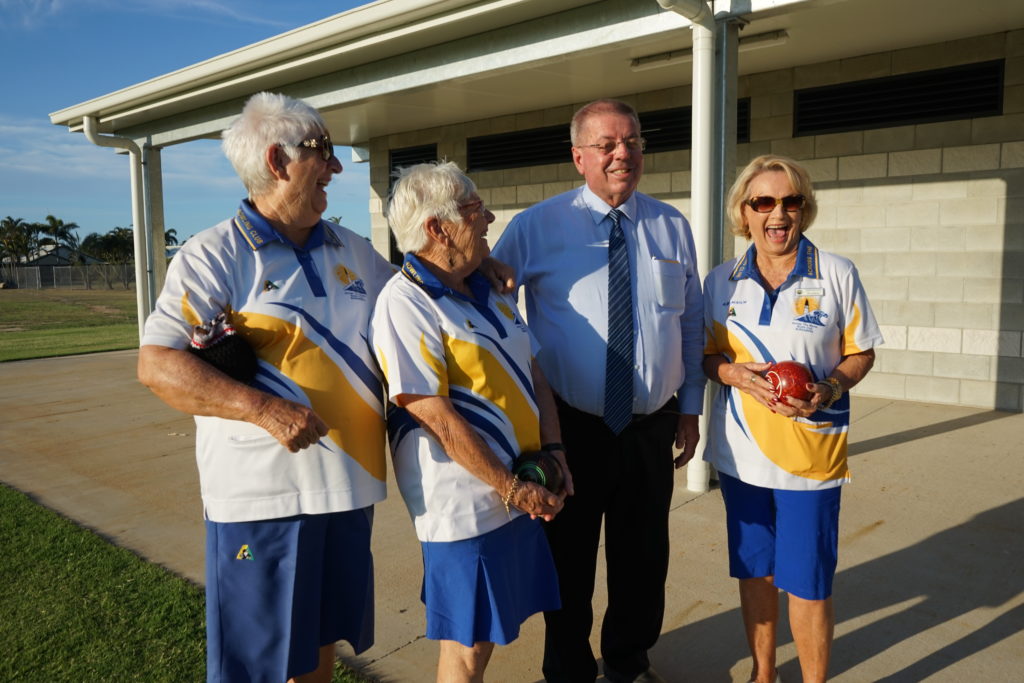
(759,601)
(813,623)
(460,664)
(324,669)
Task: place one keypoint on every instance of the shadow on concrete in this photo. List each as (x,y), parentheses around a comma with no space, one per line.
(938,582)
(897,438)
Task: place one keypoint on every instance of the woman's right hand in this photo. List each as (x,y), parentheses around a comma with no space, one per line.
(747,377)
(537,501)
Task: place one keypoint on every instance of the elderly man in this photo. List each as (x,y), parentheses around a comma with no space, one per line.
(613,296)
(291,459)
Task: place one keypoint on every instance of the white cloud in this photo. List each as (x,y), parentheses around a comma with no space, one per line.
(34,13)
(27,13)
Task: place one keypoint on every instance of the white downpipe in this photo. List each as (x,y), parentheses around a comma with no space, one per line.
(701,177)
(138,212)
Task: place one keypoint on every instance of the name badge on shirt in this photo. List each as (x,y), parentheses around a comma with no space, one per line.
(810,291)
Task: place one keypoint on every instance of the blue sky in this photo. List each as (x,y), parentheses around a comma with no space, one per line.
(58,53)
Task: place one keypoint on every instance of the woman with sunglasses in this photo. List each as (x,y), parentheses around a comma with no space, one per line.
(782,461)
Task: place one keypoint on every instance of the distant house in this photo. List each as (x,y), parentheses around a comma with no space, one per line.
(51,256)
(58,255)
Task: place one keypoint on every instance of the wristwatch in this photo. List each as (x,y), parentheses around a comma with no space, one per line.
(837,391)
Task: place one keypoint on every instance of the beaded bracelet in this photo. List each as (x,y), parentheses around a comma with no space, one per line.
(508,496)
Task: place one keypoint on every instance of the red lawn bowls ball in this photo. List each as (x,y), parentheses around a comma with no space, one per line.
(790,378)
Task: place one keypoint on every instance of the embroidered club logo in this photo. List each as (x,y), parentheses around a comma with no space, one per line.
(506,311)
(269,286)
(813,318)
(470,325)
(353,285)
(732,312)
(245,554)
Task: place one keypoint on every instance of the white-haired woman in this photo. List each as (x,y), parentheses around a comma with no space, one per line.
(291,460)
(467,399)
(781,462)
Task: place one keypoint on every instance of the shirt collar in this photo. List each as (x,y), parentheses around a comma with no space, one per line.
(808,264)
(599,209)
(258,231)
(413,269)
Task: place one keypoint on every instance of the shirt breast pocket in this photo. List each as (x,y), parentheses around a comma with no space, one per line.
(669,282)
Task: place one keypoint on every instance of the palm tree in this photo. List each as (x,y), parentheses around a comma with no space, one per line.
(63,234)
(18,240)
(170,237)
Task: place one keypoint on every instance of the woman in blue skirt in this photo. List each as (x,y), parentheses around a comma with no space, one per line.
(466,399)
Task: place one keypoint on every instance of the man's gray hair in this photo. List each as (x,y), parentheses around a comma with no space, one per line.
(267,119)
(425,191)
(602,106)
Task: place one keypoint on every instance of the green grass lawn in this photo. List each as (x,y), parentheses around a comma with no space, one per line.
(41,323)
(73,607)
(76,608)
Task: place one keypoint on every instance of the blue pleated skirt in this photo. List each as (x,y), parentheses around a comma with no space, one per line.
(482,589)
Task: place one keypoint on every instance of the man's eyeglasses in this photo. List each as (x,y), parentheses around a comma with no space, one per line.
(790,204)
(322,144)
(608,146)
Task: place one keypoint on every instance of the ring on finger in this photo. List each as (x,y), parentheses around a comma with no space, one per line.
(753,379)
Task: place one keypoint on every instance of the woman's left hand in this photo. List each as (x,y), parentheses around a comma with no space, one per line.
(537,501)
(820,393)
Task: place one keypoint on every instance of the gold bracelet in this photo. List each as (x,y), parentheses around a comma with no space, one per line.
(837,391)
(508,496)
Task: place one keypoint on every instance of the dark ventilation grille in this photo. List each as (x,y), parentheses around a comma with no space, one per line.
(397,158)
(407,156)
(665,130)
(958,92)
(549,145)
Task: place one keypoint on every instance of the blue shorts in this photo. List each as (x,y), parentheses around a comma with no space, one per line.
(479,590)
(279,589)
(791,535)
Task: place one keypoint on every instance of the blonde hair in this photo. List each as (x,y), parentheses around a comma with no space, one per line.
(798,178)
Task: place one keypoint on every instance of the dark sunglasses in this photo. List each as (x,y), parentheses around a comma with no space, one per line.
(322,144)
(790,204)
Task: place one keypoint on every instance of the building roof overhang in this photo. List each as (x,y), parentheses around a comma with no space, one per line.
(398,65)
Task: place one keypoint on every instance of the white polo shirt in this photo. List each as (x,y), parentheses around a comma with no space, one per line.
(433,341)
(305,311)
(820,314)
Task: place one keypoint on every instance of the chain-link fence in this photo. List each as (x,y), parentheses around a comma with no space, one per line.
(93,276)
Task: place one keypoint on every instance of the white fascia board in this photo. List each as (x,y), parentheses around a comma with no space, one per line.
(405,73)
(376,24)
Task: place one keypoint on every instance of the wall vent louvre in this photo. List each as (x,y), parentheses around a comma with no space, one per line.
(958,92)
(534,147)
(665,130)
(407,156)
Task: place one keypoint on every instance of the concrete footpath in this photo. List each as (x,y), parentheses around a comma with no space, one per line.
(931,572)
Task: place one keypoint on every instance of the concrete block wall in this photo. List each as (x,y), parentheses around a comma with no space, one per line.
(931,214)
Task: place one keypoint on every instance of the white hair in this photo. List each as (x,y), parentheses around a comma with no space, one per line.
(425,191)
(267,119)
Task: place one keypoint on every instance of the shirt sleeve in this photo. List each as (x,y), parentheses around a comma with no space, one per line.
(710,342)
(511,250)
(860,329)
(691,393)
(195,291)
(406,338)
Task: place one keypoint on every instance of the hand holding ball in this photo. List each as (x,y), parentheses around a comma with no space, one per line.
(540,467)
(790,378)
